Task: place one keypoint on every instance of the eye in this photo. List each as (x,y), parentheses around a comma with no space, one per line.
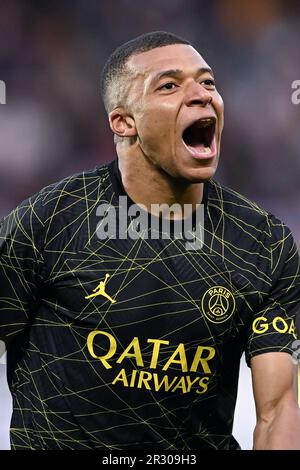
(209,82)
(168,86)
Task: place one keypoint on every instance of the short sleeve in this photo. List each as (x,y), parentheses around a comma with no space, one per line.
(21,234)
(272,327)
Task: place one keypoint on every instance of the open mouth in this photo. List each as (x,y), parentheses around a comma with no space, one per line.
(199,137)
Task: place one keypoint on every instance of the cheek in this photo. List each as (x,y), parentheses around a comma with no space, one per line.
(154,128)
(219,106)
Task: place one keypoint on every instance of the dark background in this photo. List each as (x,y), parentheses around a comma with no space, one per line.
(54,124)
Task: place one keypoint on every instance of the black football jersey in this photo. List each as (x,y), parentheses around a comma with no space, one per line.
(135,343)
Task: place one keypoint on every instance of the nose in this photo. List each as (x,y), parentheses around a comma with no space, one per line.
(197,95)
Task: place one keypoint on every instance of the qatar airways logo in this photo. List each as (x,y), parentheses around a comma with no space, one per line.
(2,92)
(154,364)
(159,221)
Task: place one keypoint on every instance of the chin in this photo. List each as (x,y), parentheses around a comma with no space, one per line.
(198,175)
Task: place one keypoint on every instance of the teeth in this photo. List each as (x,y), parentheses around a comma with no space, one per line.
(205,122)
(206,149)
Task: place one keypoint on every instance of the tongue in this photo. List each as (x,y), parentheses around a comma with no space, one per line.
(195,139)
(199,149)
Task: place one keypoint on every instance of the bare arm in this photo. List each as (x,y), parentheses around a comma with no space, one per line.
(278,416)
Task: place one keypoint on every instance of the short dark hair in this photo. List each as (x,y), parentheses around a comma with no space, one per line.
(115,67)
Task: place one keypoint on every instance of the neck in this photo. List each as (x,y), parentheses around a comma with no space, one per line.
(145,183)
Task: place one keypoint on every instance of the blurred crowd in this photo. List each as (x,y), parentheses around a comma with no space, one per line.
(54,124)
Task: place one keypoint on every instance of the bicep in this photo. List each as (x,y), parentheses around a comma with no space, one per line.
(274,378)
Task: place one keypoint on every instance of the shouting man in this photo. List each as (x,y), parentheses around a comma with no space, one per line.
(120,333)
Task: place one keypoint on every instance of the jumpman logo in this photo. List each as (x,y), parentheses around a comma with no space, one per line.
(100,290)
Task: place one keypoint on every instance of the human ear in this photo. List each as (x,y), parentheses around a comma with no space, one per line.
(121,123)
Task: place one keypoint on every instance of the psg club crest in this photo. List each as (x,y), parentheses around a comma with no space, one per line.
(218,304)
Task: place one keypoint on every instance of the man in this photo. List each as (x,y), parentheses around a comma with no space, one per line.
(134,342)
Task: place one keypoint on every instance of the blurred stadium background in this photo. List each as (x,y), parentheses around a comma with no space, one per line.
(51,55)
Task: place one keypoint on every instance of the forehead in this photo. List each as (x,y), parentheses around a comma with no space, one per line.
(177,56)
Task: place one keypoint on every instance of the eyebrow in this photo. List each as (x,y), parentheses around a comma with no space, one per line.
(178,73)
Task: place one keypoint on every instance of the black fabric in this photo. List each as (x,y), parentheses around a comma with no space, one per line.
(155,363)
